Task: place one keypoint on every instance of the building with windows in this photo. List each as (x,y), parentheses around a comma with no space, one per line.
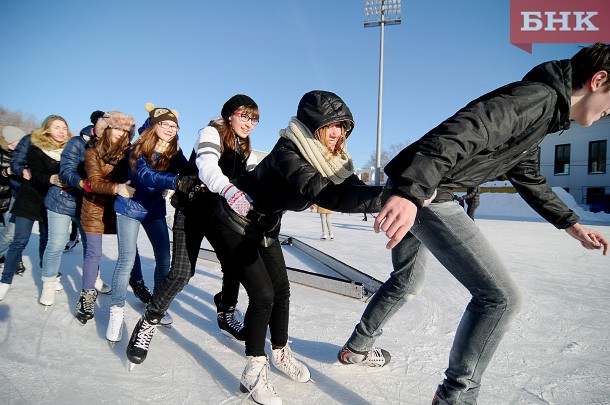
(577,160)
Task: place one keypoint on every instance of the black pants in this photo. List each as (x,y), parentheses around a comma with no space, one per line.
(262,272)
(190,227)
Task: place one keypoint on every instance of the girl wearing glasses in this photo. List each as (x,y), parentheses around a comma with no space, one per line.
(154,162)
(309,164)
(221,153)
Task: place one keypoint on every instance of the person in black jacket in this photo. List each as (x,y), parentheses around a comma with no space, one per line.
(495,134)
(43,157)
(309,164)
(472,198)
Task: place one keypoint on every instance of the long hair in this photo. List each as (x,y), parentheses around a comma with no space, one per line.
(145,146)
(46,125)
(322,135)
(111,152)
(227,136)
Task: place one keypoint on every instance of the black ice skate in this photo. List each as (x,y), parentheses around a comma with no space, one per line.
(137,349)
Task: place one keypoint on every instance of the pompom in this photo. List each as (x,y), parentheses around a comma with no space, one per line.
(175,113)
(149,106)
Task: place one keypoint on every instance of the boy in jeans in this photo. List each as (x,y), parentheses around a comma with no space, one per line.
(496,134)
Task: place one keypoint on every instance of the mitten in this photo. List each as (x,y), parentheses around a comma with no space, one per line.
(125,190)
(186,183)
(237,199)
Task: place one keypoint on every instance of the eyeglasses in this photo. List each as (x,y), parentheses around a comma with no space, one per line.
(165,125)
(246,118)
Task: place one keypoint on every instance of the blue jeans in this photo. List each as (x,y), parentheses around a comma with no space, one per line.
(455,240)
(127,232)
(23,230)
(60,226)
(7,229)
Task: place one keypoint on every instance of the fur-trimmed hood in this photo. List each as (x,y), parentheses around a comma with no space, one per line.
(44,141)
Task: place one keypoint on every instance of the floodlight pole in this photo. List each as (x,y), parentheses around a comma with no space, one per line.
(381,22)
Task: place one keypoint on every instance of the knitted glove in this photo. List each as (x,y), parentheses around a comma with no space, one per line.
(84,184)
(237,199)
(186,183)
(125,190)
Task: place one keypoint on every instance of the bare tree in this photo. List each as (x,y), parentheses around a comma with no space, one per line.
(386,155)
(27,122)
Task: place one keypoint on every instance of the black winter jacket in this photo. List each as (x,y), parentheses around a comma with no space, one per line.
(285,180)
(6,156)
(496,134)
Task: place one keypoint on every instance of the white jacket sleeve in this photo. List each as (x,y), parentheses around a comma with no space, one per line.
(251,162)
(208,154)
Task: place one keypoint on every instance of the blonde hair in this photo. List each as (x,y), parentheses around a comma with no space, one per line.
(46,125)
(322,135)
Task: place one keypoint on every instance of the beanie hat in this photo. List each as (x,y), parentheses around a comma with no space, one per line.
(158,115)
(234,103)
(96,115)
(116,119)
(12,134)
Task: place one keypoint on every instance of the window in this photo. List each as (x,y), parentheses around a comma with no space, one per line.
(562,159)
(593,193)
(597,157)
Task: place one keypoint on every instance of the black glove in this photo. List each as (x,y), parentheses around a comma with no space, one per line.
(187,183)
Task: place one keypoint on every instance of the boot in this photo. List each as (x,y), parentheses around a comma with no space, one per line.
(255,380)
(284,360)
(227,321)
(47,296)
(3,290)
(375,357)
(141,291)
(114,332)
(86,305)
(142,334)
(100,286)
(20,268)
(58,286)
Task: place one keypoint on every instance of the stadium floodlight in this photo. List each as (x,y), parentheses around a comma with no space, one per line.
(380,13)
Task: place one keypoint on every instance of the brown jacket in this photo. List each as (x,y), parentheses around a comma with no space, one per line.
(324,210)
(97,213)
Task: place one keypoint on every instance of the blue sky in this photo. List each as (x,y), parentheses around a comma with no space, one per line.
(72,57)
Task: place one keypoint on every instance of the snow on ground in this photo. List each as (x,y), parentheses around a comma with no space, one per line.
(557,351)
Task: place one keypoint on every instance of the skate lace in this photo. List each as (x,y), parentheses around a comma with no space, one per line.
(232,322)
(89,303)
(375,355)
(288,363)
(263,380)
(145,334)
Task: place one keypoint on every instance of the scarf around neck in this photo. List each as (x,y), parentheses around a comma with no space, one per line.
(335,168)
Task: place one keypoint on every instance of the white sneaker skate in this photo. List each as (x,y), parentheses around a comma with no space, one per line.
(100,286)
(47,296)
(284,360)
(114,332)
(3,290)
(255,380)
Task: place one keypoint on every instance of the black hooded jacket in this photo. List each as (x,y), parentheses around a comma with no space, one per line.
(496,134)
(285,180)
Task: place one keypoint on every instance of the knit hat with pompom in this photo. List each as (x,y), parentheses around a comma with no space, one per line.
(158,115)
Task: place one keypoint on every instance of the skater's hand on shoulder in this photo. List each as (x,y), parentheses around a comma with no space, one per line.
(396,219)
(588,238)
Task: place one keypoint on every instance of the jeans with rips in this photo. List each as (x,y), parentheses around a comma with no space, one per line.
(455,240)
(127,232)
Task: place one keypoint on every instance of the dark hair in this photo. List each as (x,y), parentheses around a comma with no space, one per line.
(227,136)
(110,152)
(587,62)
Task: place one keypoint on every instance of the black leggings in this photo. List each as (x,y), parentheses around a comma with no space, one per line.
(262,272)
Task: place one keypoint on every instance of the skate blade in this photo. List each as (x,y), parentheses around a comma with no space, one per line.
(111,343)
(105,291)
(83,321)
(130,365)
(167,325)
